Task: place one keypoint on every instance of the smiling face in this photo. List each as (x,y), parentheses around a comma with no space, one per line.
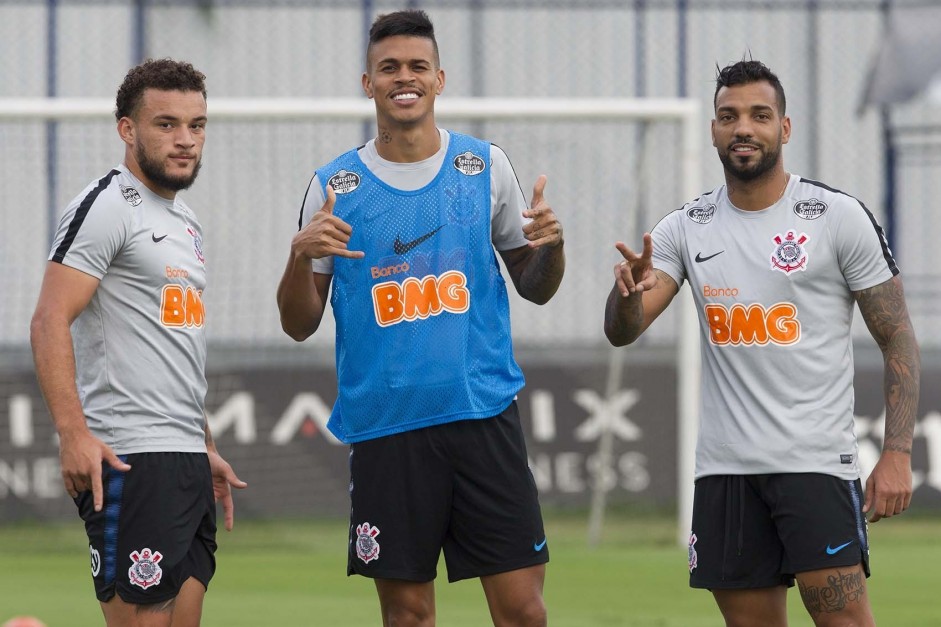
(749,130)
(164,139)
(403,77)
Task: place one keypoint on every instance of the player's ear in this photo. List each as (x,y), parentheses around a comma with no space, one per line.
(785,130)
(712,131)
(367,85)
(126,130)
(440,84)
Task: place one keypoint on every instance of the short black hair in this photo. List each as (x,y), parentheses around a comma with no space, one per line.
(163,74)
(748,71)
(409,23)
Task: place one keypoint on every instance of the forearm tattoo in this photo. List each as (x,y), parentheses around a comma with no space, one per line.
(841,590)
(541,278)
(624,317)
(883,308)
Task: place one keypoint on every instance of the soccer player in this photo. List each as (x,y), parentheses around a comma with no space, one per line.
(775,262)
(120,350)
(405,229)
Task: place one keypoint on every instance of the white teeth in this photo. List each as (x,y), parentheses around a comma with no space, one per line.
(405,97)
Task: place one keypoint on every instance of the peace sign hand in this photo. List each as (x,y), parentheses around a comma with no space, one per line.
(635,273)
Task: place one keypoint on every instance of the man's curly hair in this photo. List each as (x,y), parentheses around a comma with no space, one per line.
(163,74)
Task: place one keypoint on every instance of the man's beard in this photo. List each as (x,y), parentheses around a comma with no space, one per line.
(769,160)
(157,173)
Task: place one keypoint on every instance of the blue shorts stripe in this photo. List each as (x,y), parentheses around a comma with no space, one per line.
(112,514)
(858,513)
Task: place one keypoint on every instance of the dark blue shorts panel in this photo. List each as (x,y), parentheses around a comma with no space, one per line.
(464,487)
(156,530)
(756,531)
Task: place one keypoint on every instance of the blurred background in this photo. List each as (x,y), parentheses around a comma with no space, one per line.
(860,78)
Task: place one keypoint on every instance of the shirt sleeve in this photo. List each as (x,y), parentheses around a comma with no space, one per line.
(507,203)
(667,246)
(90,240)
(861,246)
(313,201)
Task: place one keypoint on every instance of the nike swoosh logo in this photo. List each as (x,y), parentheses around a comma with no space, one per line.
(401,248)
(700,258)
(835,550)
(156,239)
(539,546)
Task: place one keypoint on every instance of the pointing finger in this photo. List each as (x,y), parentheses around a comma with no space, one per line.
(98,497)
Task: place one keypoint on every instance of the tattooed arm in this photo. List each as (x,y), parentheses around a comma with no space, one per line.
(627,317)
(889,487)
(536,272)
(537,268)
(639,295)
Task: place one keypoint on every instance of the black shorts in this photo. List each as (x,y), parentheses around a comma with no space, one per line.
(757,531)
(156,530)
(463,486)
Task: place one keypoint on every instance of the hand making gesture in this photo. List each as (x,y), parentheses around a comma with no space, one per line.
(545,229)
(81,456)
(635,273)
(325,234)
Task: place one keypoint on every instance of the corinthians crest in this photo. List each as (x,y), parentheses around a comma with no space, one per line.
(367,549)
(197,244)
(145,568)
(789,255)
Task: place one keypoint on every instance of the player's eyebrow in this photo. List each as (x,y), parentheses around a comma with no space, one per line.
(406,61)
(172,118)
(756,107)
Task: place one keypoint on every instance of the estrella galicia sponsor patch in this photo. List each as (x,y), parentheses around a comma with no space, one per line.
(145,568)
(810,209)
(131,195)
(367,548)
(344,182)
(693,555)
(95,561)
(702,215)
(789,254)
(470,164)
(846,459)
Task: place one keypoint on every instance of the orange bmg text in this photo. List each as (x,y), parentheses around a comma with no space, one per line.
(414,298)
(181,306)
(753,324)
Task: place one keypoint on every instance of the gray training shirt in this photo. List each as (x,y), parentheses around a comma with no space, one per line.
(773,291)
(140,345)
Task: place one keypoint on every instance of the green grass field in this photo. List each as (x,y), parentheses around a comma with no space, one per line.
(291,573)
